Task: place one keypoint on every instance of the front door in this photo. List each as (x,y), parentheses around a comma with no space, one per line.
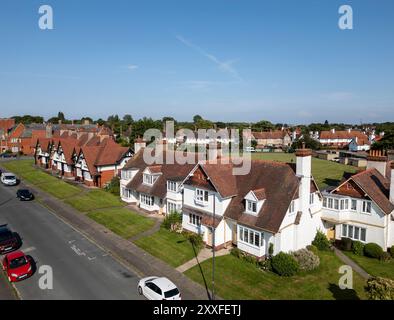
(331,233)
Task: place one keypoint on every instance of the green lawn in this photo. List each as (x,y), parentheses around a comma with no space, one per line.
(95,199)
(326,173)
(24,169)
(374,267)
(239,280)
(121,221)
(170,247)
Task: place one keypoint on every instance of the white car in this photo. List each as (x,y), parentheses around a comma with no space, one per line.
(8,179)
(155,288)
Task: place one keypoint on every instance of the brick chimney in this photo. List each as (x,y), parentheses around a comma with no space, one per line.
(378,160)
(139,143)
(304,172)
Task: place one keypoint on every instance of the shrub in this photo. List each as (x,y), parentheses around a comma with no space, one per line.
(271,249)
(306,259)
(172,219)
(236,253)
(358,248)
(113,186)
(379,289)
(392,251)
(373,250)
(284,264)
(313,249)
(250,259)
(346,244)
(321,242)
(385,257)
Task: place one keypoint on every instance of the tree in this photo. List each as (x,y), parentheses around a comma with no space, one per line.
(61,116)
(386,143)
(309,143)
(197,118)
(263,125)
(128,119)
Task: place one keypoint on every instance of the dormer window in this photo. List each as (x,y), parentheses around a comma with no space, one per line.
(251,206)
(149,179)
(201,196)
(172,186)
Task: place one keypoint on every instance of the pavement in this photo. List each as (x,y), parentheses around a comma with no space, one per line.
(345,259)
(6,290)
(203,255)
(81,270)
(63,223)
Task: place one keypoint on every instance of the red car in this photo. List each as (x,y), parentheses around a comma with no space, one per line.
(17,265)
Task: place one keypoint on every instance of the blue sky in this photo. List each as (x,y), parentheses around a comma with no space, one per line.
(227,60)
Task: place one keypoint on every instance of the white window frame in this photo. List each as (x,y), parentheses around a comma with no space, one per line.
(311,198)
(172,186)
(195,220)
(147,200)
(201,196)
(171,207)
(250,237)
(350,231)
(366,204)
(292,207)
(251,206)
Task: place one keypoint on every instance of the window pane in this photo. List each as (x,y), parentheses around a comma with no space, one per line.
(350,235)
(330,203)
(344,230)
(342,204)
(206,196)
(257,239)
(363,234)
(336,204)
(241,234)
(325,202)
(356,233)
(346,204)
(246,235)
(262,239)
(251,235)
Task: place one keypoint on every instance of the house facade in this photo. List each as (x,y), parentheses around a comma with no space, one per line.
(359,145)
(272,139)
(156,188)
(276,203)
(340,138)
(362,207)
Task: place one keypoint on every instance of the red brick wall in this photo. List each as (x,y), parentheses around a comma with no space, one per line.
(106,176)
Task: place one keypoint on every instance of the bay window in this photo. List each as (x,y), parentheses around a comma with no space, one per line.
(250,236)
(354,232)
(147,200)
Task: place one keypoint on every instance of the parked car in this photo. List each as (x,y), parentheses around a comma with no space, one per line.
(7,155)
(24,195)
(9,179)
(9,241)
(156,288)
(18,266)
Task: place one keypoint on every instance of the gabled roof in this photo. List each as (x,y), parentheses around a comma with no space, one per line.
(343,134)
(174,172)
(375,185)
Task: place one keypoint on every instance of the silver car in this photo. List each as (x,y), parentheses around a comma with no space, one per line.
(8,179)
(155,288)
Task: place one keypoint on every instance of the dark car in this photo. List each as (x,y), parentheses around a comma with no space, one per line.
(9,241)
(24,195)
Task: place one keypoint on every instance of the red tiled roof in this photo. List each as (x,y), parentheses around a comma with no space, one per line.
(277,134)
(376,186)
(343,135)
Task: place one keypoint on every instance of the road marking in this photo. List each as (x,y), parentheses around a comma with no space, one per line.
(90,259)
(71,241)
(78,251)
(30,249)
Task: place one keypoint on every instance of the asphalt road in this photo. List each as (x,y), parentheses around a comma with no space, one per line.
(81,270)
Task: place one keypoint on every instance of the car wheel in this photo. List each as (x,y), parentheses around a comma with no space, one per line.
(140,290)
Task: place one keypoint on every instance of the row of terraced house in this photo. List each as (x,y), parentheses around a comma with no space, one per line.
(274,204)
(90,157)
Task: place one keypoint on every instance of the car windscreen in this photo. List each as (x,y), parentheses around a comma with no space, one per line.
(5,235)
(9,178)
(171,293)
(18,262)
(24,192)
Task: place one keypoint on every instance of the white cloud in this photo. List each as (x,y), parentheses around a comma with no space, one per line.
(225,66)
(132,67)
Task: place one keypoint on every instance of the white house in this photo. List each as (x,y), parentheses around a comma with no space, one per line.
(362,207)
(154,188)
(274,203)
(358,144)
